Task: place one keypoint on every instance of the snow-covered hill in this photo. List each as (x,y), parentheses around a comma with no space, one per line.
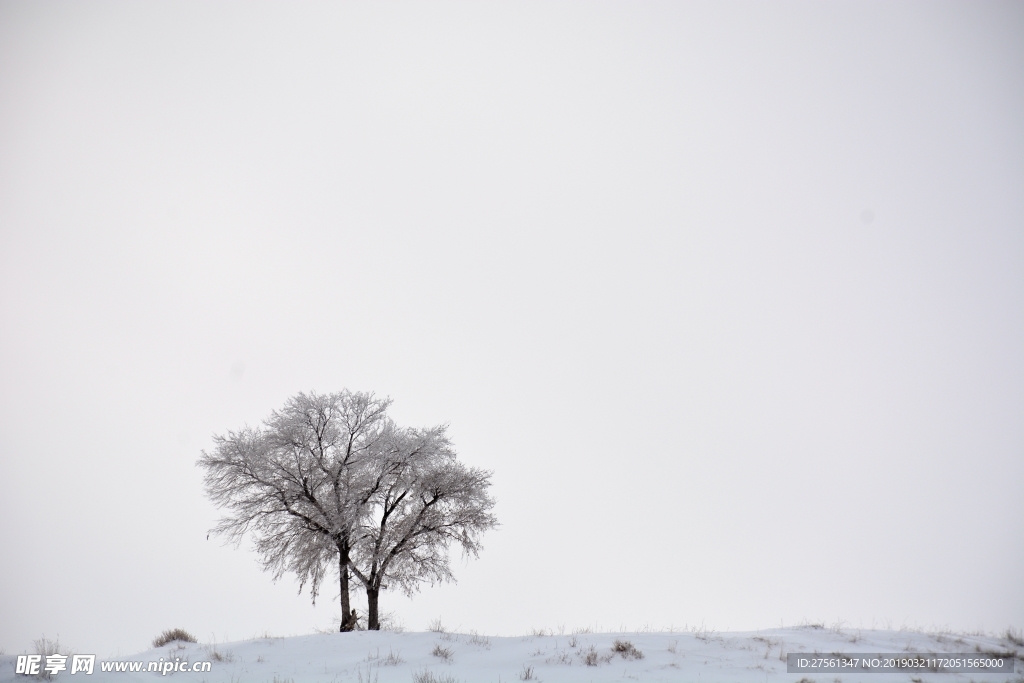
(388,657)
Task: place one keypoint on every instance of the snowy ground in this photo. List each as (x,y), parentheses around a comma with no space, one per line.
(388,657)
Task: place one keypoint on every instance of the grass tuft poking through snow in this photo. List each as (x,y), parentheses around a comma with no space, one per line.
(592,658)
(1015,636)
(427,676)
(479,641)
(626,649)
(172,635)
(443,653)
(46,647)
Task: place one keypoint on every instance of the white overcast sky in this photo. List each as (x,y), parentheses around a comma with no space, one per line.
(729,296)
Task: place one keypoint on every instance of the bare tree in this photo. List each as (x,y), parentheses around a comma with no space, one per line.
(423,501)
(302,483)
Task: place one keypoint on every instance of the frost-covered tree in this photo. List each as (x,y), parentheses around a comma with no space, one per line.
(302,484)
(424,501)
(331,483)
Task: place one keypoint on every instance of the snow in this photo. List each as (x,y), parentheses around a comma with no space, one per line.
(388,657)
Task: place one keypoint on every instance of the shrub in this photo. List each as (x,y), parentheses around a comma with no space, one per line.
(172,635)
(627,650)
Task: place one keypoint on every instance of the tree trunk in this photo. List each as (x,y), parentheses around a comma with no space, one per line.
(343,585)
(372,613)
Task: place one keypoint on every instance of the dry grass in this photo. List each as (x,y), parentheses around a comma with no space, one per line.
(1014,636)
(46,647)
(591,658)
(392,659)
(427,676)
(371,676)
(626,650)
(702,633)
(443,653)
(172,635)
(216,655)
(479,641)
